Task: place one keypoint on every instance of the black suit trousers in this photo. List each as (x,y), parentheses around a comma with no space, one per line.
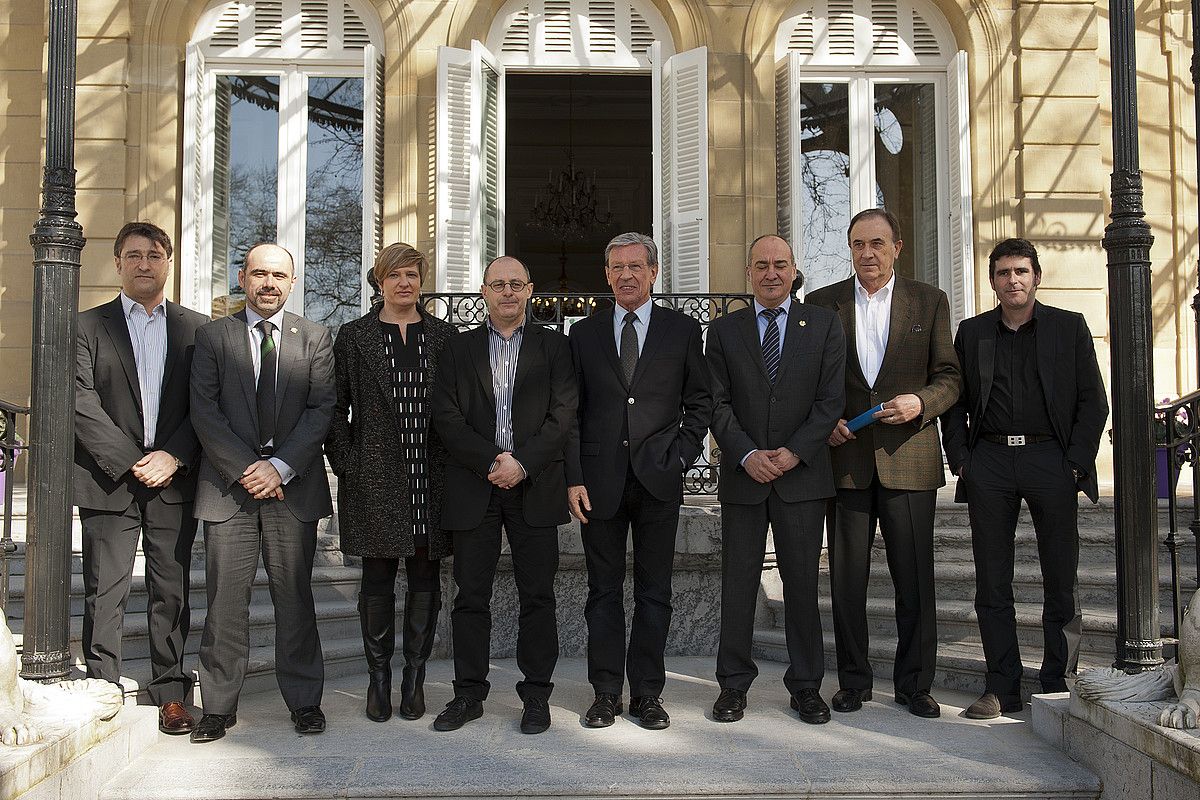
(997,478)
(905,518)
(110,543)
(654,523)
(797,529)
(535,563)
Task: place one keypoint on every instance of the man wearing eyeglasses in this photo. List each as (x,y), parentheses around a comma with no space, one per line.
(504,401)
(644,407)
(134,456)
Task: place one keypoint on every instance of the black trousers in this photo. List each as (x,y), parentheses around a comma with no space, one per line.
(654,523)
(997,478)
(905,518)
(535,563)
(231,549)
(797,529)
(110,539)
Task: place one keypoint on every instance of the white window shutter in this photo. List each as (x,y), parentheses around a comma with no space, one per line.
(788,158)
(195,250)
(373,139)
(962,251)
(684,142)
(454,156)
(487,121)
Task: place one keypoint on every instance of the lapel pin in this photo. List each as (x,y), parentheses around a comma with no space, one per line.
(293,330)
(802,323)
(916,328)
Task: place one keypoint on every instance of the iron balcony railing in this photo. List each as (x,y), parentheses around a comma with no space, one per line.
(10,448)
(467,310)
(1177,441)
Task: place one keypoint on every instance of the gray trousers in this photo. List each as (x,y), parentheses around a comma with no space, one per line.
(231,559)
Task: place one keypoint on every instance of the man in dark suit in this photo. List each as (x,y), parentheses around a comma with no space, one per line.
(779,388)
(644,407)
(899,355)
(504,402)
(135,451)
(1027,426)
(262,401)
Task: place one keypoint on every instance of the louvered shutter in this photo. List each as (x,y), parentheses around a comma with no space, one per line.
(788,159)
(221,188)
(373,121)
(454,171)
(683,93)
(487,118)
(962,251)
(195,245)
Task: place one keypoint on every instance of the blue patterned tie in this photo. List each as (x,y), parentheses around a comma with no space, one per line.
(770,343)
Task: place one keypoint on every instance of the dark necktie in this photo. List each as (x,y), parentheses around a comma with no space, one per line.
(629,347)
(268,358)
(770,342)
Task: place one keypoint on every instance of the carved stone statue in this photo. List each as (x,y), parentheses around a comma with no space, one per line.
(30,712)
(1186,712)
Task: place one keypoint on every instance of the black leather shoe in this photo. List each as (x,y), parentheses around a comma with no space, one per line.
(990,706)
(650,712)
(536,716)
(811,708)
(212,727)
(1054,687)
(458,712)
(730,705)
(920,704)
(847,700)
(309,719)
(603,710)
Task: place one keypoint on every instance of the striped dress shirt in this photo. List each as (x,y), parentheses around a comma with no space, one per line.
(148,335)
(502,353)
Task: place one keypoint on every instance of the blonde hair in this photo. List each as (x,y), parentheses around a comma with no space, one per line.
(399,254)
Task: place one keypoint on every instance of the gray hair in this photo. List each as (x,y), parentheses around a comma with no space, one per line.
(624,239)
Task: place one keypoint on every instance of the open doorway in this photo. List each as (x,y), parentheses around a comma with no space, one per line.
(597,129)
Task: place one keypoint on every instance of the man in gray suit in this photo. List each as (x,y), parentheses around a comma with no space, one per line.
(778,373)
(262,401)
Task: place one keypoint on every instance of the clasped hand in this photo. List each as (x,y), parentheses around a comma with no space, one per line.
(155,469)
(506,472)
(765,466)
(262,480)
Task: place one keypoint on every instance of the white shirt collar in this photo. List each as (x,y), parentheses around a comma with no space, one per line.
(786,305)
(885,292)
(642,311)
(253,318)
(129,304)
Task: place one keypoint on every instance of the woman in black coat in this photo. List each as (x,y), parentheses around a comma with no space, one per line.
(389,464)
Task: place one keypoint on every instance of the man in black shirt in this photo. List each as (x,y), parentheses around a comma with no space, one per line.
(1027,426)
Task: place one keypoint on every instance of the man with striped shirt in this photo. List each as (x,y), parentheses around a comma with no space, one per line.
(504,400)
(134,456)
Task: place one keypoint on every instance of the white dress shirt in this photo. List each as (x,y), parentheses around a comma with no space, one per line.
(286,473)
(640,325)
(872,319)
(781,322)
(148,335)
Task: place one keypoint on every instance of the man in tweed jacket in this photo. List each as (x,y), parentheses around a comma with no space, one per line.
(899,354)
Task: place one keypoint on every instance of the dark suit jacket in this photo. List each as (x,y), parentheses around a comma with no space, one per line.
(543,410)
(109,426)
(225,415)
(657,424)
(797,412)
(363,446)
(919,360)
(1071,385)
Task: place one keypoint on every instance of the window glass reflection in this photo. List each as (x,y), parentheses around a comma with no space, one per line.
(825,182)
(906,171)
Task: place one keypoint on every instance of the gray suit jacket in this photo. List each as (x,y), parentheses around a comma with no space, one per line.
(225,416)
(798,412)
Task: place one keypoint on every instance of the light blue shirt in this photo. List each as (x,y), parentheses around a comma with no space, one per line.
(148,335)
(640,326)
(286,473)
(781,320)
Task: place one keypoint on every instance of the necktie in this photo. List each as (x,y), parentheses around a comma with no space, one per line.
(629,347)
(770,342)
(268,358)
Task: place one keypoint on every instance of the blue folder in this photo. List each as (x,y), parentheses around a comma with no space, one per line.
(864,419)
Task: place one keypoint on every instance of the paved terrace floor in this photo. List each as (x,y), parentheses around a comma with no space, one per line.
(881,751)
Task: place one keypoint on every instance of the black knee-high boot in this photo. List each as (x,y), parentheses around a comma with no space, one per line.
(377,614)
(420,625)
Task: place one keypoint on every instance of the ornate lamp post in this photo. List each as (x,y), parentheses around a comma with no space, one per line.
(57,241)
(1127,240)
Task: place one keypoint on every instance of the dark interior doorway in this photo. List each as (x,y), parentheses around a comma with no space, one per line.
(601,124)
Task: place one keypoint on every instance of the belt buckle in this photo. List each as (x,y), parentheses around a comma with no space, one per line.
(1016,441)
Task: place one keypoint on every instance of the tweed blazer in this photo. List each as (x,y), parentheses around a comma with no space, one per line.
(363,447)
(919,360)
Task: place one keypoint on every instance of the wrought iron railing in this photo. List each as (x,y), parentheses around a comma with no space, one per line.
(10,448)
(1177,441)
(467,310)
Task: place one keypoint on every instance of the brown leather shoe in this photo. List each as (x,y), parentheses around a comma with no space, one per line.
(174,719)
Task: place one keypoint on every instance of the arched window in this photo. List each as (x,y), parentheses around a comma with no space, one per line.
(871,110)
(283,140)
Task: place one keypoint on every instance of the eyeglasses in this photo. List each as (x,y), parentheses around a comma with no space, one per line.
(635,269)
(516,284)
(137,258)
